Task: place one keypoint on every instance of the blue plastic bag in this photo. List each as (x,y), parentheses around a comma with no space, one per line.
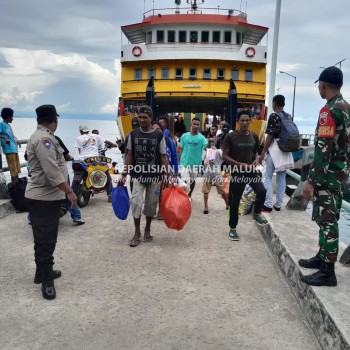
(120,202)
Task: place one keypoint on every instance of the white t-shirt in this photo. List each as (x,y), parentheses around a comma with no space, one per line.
(89,145)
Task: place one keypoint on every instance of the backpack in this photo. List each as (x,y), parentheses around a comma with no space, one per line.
(289,137)
(17,190)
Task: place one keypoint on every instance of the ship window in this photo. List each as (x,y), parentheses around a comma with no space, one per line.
(160,36)
(205,37)
(149,38)
(228,37)
(216,37)
(206,73)
(193,73)
(221,73)
(138,74)
(171,36)
(194,36)
(182,36)
(248,75)
(238,38)
(165,73)
(151,72)
(178,73)
(235,74)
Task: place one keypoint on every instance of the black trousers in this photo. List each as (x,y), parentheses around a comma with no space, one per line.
(44,217)
(238,182)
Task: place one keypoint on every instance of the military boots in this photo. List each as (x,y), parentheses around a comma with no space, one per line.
(324,277)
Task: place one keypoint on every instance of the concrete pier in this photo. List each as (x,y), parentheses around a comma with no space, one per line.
(193,289)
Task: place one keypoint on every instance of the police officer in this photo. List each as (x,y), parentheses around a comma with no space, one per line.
(328,174)
(46,188)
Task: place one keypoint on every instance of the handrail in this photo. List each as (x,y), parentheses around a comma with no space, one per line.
(345,205)
(23,165)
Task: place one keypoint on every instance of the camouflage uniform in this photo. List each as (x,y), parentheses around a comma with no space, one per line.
(329,172)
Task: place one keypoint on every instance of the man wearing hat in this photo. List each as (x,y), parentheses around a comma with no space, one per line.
(47,187)
(88,144)
(9,143)
(146,154)
(328,174)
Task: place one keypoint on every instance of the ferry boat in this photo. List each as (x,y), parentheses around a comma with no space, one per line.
(191,61)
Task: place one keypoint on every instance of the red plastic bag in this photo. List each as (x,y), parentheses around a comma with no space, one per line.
(175,207)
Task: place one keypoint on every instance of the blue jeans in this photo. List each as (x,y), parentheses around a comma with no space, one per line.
(281,183)
(74,212)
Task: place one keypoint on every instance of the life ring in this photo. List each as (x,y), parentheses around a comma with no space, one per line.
(250,52)
(137,51)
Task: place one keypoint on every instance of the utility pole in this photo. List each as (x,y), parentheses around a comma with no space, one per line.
(274,54)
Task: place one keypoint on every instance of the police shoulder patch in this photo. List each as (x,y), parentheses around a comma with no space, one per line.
(326,124)
(46,142)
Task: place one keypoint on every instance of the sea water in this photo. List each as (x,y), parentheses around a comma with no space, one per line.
(68,131)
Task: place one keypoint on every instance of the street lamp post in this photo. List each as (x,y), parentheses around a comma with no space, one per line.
(295,83)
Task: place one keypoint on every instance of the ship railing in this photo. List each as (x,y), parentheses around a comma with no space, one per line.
(189,10)
(6,168)
(307,140)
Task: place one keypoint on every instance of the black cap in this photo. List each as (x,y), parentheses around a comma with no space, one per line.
(146,109)
(6,113)
(46,111)
(332,75)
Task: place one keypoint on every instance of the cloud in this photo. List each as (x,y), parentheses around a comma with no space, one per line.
(16,97)
(38,72)
(66,52)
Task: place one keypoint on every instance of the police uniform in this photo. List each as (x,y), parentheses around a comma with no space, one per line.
(329,173)
(44,198)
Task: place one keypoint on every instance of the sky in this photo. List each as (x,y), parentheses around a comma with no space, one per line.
(66,52)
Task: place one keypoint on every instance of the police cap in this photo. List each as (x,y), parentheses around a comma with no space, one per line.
(45,112)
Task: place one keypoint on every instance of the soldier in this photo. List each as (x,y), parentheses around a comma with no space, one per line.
(46,188)
(328,174)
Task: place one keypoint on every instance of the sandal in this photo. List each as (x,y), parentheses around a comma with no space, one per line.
(159,217)
(260,219)
(148,239)
(206,211)
(134,243)
(233,235)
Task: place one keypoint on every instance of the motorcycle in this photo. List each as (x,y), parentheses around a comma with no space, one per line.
(91,176)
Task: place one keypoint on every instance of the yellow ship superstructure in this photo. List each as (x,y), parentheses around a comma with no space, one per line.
(192,54)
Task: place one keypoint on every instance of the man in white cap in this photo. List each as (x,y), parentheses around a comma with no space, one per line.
(88,144)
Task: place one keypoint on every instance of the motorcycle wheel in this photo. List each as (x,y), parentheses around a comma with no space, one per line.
(83,196)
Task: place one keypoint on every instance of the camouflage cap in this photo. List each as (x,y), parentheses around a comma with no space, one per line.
(146,109)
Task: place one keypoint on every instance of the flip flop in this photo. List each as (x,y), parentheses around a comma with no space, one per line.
(260,219)
(148,239)
(134,243)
